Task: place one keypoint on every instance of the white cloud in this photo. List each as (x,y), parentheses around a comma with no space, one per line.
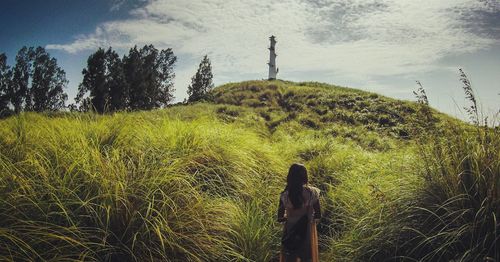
(357,39)
(116,5)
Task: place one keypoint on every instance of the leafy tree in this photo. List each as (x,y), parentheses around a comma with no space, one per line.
(149,75)
(142,80)
(165,89)
(5,80)
(94,82)
(48,81)
(132,67)
(201,82)
(115,82)
(148,55)
(104,86)
(37,81)
(19,88)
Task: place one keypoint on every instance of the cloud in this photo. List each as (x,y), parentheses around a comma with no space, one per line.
(483,20)
(357,39)
(116,5)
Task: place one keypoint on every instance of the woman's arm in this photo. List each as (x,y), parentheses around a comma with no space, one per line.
(281,212)
(317,210)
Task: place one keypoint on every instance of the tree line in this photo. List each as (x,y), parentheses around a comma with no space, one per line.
(34,83)
(140,80)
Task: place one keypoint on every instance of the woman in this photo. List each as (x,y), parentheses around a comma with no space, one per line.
(299,208)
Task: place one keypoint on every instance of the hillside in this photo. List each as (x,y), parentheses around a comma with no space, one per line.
(319,106)
(200,182)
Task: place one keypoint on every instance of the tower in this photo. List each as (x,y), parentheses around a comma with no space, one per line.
(273,70)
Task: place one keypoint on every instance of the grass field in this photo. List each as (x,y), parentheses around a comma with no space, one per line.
(201,182)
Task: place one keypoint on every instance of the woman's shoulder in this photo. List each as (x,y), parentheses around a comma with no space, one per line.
(312,188)
(315,191)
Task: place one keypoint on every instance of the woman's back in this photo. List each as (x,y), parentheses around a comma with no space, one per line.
(310,196)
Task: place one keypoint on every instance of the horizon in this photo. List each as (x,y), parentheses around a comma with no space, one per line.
(337,42)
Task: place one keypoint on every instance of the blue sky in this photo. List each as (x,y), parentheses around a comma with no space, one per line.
(381,46)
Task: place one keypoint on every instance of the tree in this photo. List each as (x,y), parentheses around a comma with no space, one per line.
(37,81)
(148,56)
(132,67)
(48,81)
(141,80)
(5,81)
(149,75)
(201,82)
(165,89)
(18,90)
(94,77)
(115,82)
(103,88)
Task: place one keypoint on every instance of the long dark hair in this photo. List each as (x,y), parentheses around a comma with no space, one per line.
(296,179)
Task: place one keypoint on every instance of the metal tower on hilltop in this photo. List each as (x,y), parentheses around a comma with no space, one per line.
(273,70)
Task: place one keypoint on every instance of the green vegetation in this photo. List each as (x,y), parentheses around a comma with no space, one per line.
(141,80)
(201,182)
(34,83)
(201,82)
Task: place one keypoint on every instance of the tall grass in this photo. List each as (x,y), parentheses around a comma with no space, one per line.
(453,214)
(459,206)
(125,187)
(183,184)
(201,182)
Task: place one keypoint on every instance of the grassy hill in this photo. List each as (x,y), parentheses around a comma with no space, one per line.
(200,182)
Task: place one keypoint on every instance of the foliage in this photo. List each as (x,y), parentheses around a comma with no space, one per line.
(142,80)
(200,182)
(149,75)
(453,215)
(35,83)
(472,110)
(5,78)
(426,117)
(47,83)
(104,80)
(421,95)
(201,82)
(85,187)
(94,81)
(18,90)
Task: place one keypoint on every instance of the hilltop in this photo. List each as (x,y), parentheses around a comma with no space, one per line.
(200,182)
(373,121)
(318,106)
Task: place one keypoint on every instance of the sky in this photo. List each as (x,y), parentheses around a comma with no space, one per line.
(381,46)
